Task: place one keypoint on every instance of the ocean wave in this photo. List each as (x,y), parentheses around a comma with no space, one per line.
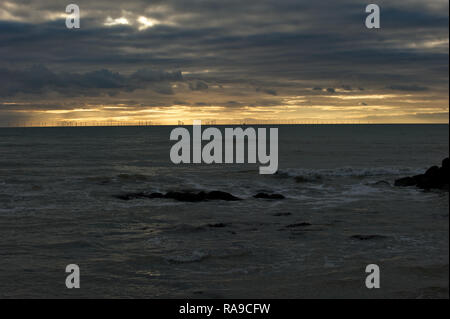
(309,175)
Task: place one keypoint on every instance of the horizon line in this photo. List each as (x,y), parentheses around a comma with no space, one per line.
(216,124)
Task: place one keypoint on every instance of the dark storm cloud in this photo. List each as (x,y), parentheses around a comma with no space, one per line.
(39,79)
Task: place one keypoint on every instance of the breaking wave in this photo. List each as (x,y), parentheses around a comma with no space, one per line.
(316,174)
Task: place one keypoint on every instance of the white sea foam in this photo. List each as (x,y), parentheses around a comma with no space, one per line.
(351,172)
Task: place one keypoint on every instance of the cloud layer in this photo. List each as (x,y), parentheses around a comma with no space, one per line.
(262,59)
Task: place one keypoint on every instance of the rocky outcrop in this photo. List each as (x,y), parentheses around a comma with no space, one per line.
(217,195)
(195,197)
(199,197)
(269,196)
(182,196)
(434,178)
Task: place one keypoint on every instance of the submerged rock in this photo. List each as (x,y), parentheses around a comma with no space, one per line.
(434,178)
(406,181)
(217,195)
(269,196)
(182,196)
(303,179)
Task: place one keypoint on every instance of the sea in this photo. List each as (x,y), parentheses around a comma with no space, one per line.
(341,213)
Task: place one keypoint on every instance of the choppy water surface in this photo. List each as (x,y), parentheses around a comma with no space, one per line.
(57,208)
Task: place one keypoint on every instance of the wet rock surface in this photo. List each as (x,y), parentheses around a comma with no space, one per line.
(194,197)
(434,178)
(181,196)
(269,196)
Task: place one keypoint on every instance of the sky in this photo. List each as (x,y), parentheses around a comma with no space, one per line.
(274,61)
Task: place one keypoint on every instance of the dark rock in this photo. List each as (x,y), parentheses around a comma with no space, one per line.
(368,237)
(446,163)
(186,197)
(434,178)
(216,195)
(428,182)
(432,172)
(406,181)
(181,196)
(444,173)
(269,196)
